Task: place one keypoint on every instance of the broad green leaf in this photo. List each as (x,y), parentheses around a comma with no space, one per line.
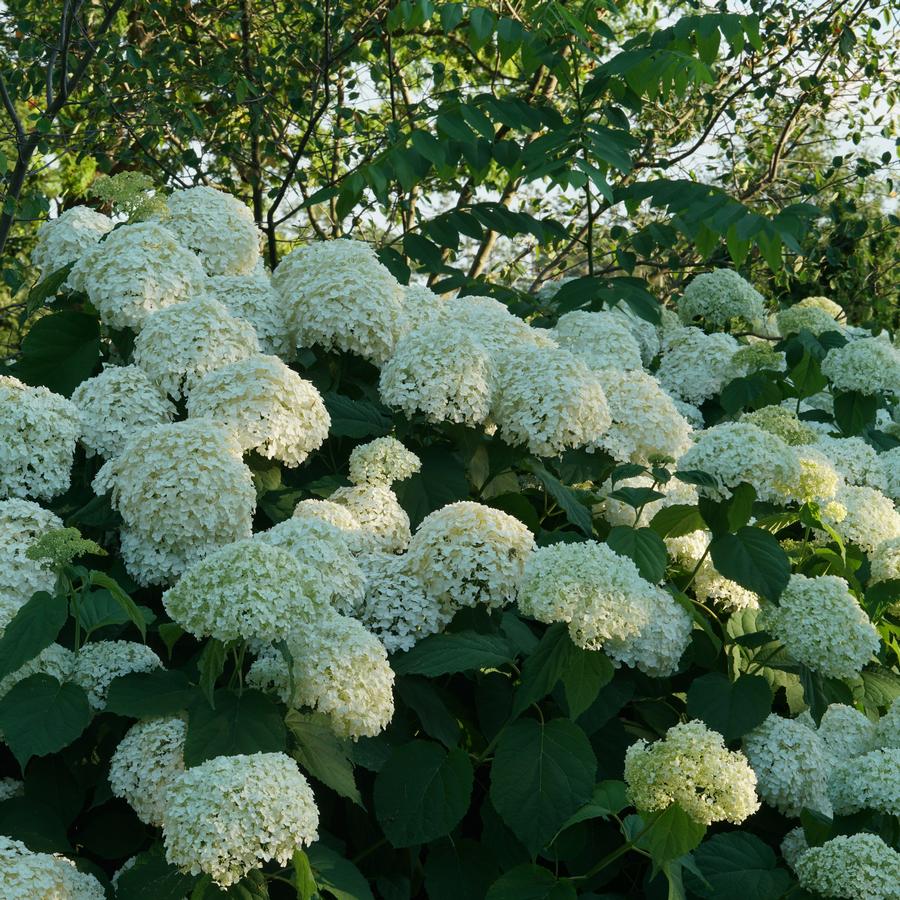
(211,665)
(240,724)
(34,627)
(731,708)
(576,512)
(129,607)
(422,792)
(738,864)
(304,880)
(46,288)
(530,882)
(677,520)
(441,480)
(355,418)
(442,654)
(672,833)
(642,545)
(541,774)
(321,753)
(337,876)
(854,411)
(754,559)
(163,692)
(152,878)
(40,716)
(459,869)
(36,823)
(423,698)
(610,798)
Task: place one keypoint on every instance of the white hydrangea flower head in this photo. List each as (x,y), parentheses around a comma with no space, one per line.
(441,371)
(846,732)
(252,299)
(692,767)
(884,562)
(162,484)
(645,420)
(179,345)
(69,236)
(55,660)
(835,310)
(548,400)
(890,466)
(38,430)
(21,524)
(382,462)
(823,626)
(719,297)
(232,814)
(138,270)
(869,366)
(338,295)
(396,608)
(383,523)
(642,331)
(735,452)
(791,764)
(217,227)
(797,318)
(887,731)
(421,306)
(854,867)
(341,670)
(863,516)
(658,647)
(248,589)
(600,339)
(794,846)
(339,516)
(495,327)
(466,553)
(782,422)
(694,365)
(756,357)
(96,665)
(113,404)
(146,761)
(819,479)
(25,875)
(869,781)
(857,462)
(267,405)
(322,546)
(599,594)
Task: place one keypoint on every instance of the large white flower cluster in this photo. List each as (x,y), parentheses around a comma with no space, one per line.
(38,430)
(249,590)
(145,763)
(720,296)
(113,404)
(266,404)
(890,466)
(382,462)
(338,295)
(467,553)
(810,318)
(853,867)
(867,781)
(863,516)
(136,271)
(231,814)
(823,626)
(252,298)
(97,664)
(163,483)
(25,875)
(602,340)
(66,238)
(382,523)
(179,345)
(694,365)
(691,767)
(21,524)
(858,463)
(736,452)
(884,563)
(868,366)
(217,227)
(340,669)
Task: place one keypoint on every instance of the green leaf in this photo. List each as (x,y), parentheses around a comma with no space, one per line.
(739,864)
(322,753)
(304,880)
(672,833)
(423,698)
(36,823)
(40,716)
(541,774)
(60,351)
(355,418)
(99,609)
(731,708)
(34,627)
(152,878)
(730,514)
(754,559)
(609,799)
(422,792)
(129,607)
(677,520)
(336,875)
(240,724)
(459,869)
(576,512)
(854,411)
(441,480)
(530,882)
(442,654)
(163,692)
(644,546)
(46,288)
(211,666)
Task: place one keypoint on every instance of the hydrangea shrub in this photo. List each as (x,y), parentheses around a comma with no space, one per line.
(316,584)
